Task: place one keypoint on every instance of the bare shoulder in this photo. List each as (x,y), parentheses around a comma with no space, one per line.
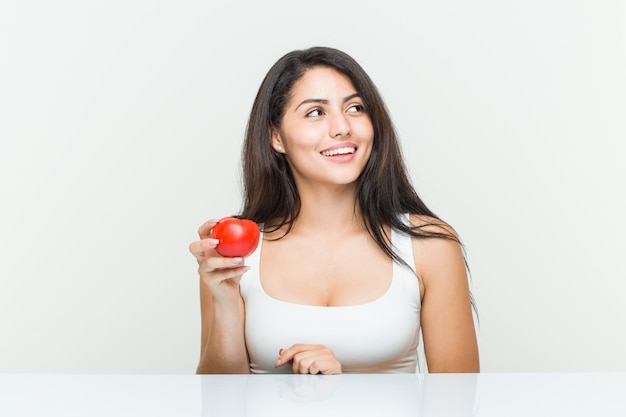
(433,226)
(440,256)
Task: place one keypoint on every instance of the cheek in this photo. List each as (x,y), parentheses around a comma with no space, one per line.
(306,138)
(365,132)
(364,126)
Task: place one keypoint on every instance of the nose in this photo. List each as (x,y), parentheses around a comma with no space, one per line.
(339,125)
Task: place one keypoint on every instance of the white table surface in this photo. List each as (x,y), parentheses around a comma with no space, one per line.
(485,394)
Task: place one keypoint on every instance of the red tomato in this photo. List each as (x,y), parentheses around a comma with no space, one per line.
(237,237)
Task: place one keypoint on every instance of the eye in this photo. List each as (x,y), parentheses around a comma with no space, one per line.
(356,108)
(314,113)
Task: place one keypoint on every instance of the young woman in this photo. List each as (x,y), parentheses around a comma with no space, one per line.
(351,264)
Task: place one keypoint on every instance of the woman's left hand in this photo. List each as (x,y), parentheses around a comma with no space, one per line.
(309,359)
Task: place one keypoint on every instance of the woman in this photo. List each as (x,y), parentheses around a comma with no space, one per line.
(351,263)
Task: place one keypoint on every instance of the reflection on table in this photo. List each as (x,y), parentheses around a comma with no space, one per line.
(341,395)
(429,395)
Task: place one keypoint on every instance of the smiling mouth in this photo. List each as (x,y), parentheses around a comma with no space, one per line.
(340,151)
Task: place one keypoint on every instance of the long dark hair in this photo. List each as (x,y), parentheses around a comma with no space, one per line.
(384,192)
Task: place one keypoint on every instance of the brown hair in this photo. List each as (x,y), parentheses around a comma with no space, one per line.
(384,192)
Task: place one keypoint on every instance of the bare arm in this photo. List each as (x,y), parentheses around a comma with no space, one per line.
(223,348)
(448,329)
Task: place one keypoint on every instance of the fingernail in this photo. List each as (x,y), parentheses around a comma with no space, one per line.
(277,364)
(213,242)
(237,260)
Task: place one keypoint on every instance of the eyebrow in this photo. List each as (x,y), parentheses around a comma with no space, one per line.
(324,101)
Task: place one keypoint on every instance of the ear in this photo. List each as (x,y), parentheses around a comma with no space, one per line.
(275,140)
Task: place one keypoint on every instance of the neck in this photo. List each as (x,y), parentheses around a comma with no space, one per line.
(328,211)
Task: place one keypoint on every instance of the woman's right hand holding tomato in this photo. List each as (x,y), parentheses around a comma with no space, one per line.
(221,275)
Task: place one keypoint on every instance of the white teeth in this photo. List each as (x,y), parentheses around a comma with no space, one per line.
(339,151)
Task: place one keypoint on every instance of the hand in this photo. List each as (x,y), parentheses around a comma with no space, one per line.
(221,275)
(309,359)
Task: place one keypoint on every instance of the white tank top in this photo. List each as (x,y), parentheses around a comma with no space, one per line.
(380,336)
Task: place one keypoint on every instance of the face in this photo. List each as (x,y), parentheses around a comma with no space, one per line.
(325,134)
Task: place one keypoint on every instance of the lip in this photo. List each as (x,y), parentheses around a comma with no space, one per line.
(341,145)
(340,157)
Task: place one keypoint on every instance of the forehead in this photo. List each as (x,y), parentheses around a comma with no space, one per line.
(322,82)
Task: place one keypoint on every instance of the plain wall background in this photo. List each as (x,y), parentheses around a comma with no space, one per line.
(121,124)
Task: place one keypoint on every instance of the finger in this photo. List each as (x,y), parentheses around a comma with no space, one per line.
(214,279)
(304,360)
(314,368)
(213,263)
(286,355)
(199,248)
(204,231)
(301,357)
(312,359)
(320,364)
